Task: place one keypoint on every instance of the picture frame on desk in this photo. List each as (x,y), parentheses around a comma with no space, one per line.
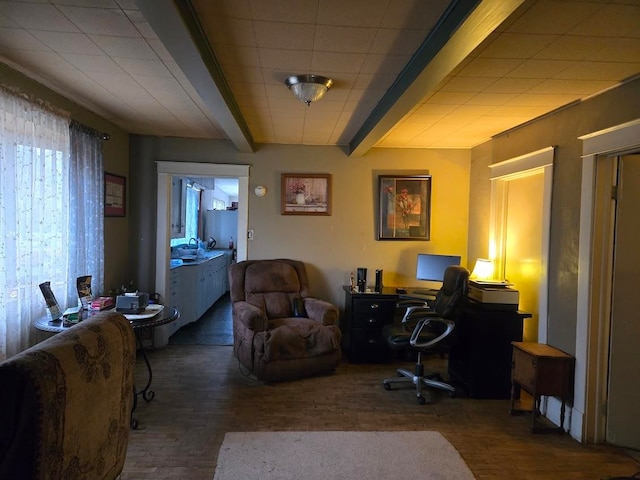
(404,207)
(115,195)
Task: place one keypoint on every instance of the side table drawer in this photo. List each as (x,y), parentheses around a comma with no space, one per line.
(524,369)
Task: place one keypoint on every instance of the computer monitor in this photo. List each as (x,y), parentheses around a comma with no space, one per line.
(431,267)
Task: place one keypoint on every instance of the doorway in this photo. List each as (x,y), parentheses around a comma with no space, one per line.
(163,217)
(598,390)
(623,398)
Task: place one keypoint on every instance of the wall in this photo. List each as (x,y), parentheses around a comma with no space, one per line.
(116,160)
(561,130)
(332,246)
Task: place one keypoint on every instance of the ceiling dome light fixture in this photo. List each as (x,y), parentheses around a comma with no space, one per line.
(308,88)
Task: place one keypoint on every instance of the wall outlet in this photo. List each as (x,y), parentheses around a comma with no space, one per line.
(250,234)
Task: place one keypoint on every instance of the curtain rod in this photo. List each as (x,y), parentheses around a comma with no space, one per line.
(89,130)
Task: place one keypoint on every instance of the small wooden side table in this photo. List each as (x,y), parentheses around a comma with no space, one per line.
(540,369)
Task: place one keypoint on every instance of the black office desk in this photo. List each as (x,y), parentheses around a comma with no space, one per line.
(479,360)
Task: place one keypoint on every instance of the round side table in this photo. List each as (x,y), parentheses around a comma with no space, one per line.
(153,316)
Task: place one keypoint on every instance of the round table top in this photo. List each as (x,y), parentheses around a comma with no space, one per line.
(137,321)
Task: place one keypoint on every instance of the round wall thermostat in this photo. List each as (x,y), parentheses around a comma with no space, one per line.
(260,191)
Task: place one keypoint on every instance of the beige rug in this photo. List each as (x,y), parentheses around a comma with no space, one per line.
(339,455)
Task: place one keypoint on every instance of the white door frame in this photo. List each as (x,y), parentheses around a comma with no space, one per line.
(592,324)
(534,163)
(163,215)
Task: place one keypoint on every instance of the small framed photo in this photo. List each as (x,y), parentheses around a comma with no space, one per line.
(115,195)
(306,194)
(404,209)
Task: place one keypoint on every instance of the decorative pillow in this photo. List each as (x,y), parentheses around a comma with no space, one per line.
(298,308)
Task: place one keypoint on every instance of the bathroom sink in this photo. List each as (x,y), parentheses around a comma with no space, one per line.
(188,258)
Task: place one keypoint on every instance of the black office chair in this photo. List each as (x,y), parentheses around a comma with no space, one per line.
(428,329)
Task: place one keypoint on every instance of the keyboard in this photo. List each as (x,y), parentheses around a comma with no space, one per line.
(424,291)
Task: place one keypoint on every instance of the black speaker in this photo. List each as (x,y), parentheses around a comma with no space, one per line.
(362,279)
(379,281)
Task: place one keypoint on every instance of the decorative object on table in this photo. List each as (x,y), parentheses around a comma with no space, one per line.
(71,316)
(404,209)
(134,302)
(305,194)
(50,299)
(115,195)
(362,279)
(101,303)
(85,297)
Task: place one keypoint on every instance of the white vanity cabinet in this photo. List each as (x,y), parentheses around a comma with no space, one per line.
(194,288)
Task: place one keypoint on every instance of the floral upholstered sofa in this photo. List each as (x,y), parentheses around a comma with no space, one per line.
(65,403)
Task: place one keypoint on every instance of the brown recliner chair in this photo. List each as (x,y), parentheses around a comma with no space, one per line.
(280,332)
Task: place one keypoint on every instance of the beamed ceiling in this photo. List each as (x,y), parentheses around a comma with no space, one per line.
(407,73)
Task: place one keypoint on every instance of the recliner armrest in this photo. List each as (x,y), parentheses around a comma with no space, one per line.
(321,311)
(250,316)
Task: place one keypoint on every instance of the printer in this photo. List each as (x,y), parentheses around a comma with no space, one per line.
(494,296)
(135,302)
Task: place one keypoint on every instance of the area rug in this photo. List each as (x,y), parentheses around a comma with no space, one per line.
(339,455)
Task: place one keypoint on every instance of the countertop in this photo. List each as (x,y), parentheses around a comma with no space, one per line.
(201,257)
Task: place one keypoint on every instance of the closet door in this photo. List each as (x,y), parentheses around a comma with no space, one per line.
(623,405)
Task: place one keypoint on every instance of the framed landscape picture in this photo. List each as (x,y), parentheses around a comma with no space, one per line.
(404,209)
(305,194)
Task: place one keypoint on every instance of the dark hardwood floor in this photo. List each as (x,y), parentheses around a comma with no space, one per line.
(202,393)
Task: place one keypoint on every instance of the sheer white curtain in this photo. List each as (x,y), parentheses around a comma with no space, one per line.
(86,252)
(44,221)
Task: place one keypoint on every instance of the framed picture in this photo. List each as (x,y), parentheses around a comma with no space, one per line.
(404,211)
(306,194)
(115,195)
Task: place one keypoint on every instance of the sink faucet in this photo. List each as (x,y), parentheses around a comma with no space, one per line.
(193,240)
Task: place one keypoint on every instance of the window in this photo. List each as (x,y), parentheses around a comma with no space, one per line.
(46,199)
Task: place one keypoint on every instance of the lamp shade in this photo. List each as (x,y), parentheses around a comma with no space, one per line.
(308,88)
(483,269)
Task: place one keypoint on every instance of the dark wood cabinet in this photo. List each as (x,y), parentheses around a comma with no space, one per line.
(365,315)
(540,369)
(480,358)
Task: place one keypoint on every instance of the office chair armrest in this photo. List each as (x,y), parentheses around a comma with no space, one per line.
(415,335)
(250,316)
(419,310)
(411,302)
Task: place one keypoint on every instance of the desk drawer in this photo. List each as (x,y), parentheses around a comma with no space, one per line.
(372,313)
(368,346)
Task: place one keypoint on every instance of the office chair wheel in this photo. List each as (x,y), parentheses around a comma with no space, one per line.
(421,400)
(387,386)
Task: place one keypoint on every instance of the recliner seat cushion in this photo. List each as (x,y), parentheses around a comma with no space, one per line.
(291,338)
